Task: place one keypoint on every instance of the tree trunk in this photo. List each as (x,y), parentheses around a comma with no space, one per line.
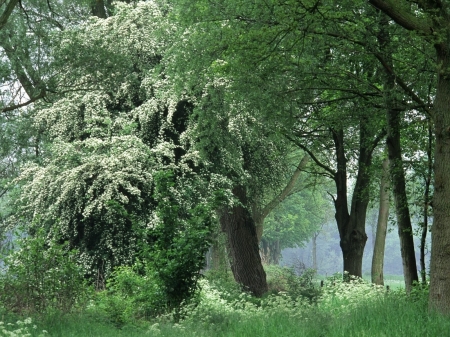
(239,226)
(440,235)
(393,118)
(314,250)
(426,203)
(275,252)
(98,9)
(380,238)
(352,225)
(438,32)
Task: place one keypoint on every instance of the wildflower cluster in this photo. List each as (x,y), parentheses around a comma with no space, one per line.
(19,329)
(219,306)
(341,296)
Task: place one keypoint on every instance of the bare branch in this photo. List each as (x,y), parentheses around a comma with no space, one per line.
(21,105)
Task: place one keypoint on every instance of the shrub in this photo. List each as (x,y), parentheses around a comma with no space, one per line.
(38,277)
(283,279)
(130,295)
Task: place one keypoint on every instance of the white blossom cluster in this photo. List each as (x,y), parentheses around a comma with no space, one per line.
(109,137)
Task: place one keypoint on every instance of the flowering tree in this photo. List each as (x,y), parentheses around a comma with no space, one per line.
(118,178)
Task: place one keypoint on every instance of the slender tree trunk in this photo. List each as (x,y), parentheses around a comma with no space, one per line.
(380,238)
(218,256)
(237,223)
(405,231)
(314,250)
(440,234)
(426,204)
(393,118)
(275,252)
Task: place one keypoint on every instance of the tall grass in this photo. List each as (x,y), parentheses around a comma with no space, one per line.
(343,309)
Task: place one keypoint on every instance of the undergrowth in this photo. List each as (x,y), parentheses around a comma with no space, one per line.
(295,306)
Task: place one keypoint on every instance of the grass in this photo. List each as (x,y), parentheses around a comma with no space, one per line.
(346,309)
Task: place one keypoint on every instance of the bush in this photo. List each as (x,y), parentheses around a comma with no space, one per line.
(131,295)
(283,279)
(39,277)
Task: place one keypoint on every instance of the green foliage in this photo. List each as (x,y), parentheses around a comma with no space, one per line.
(131,294)
(285,280)
(297,218)
(42,276)
(179,240)
(170,258)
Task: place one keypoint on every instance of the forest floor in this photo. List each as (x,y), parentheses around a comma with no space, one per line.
(342,310)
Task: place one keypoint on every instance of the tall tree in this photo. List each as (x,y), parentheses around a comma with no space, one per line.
(393,117)
(430,20)
(288,72)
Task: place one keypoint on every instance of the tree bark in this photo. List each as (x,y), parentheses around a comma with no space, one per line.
(238,225)
(440,235)
(380,238)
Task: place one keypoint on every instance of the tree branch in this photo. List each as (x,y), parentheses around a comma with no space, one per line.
(313,157)
(398,11)
(287,189)
(6,14)
(21,105)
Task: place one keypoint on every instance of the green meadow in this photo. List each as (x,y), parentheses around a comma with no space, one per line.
(339,309)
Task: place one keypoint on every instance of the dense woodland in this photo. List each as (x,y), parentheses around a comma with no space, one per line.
(139,139)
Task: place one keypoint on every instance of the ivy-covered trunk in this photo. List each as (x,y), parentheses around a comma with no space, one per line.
(239,227)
